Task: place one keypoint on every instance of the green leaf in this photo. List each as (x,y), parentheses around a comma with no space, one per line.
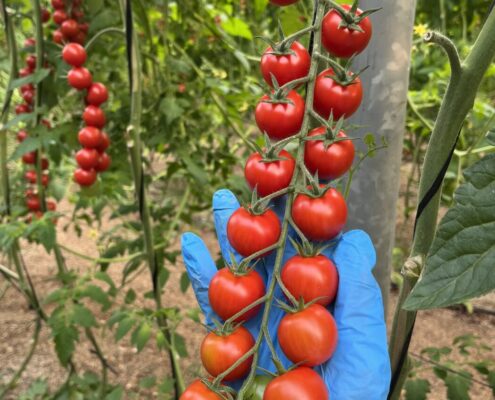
(194,169)
(490,137)
(96,294)
(457,387)
(417,389)
(167,386)
(161,341)
(460,263)
(141,335)
(26,118)
(115,394)
(179,344)
(184,282)
(28,145)
(130,296)
(124,327)
(116,317)
(237,27)
(34,78)
(65,339)
(83,316)
(147,382)
(260,6)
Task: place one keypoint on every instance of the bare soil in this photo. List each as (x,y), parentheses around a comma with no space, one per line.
(434,328)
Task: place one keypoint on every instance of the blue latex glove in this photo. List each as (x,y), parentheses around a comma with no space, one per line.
(360,366)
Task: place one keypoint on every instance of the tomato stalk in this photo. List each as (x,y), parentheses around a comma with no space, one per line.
(458,101)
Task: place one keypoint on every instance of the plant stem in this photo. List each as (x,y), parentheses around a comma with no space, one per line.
(458,101)
(100,34)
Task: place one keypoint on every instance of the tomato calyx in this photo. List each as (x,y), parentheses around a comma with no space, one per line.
(307,249)
(351,18)
(342,74)
(240,269)
(271,152)
(257,206)
(225,329)
(332,131)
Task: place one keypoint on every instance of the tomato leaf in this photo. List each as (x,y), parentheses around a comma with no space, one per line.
(124,327)
(34,78)
(82,316)
(184,282)
(237,27)
(460,263)
(141,335)
(417,389)
(458,386)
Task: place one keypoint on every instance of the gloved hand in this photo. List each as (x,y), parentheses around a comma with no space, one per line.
(360,366)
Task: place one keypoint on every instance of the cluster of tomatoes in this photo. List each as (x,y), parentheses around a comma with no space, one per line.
(92,158)
(307,334)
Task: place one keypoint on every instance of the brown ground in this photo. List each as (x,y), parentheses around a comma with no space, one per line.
(434,328)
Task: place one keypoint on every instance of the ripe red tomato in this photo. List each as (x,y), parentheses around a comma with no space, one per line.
(342,41)
(74,54)
(21,136)
(70,28)
(45,15)
(230,293)
(58,4)
(33,203)
(301,383)
(25,72)
(87,158)
(31,61)
(29,158)
(51,205)
(249,233)
(44,163)
(84,178)
(104,162)
(80,38)
(219,352)
(80,78)
(77,14)
(59,16)
(97,94)
(90,137)
(308,337)
(29,42)
(286,68)
(22,109)
(28,96)
(28,87)
(320,218)
(30,176)
(94,116)
(199,391)
(280,120)
(105,143)
(84,27)
(311,278)
(283,2)
(269,177)
(330,96)
(331,162)
(58,37)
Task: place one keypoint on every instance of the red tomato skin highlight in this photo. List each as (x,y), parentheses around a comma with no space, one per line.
(321,218)
(332,162)
(311,278)
(269,177)
(308,337)
(229,294)
(280,120)
(90,137)
(74,54)
(84,177)
(104,162)
(97,94)
(342,101)
(286,68)
(79,78)
(218,353)
(248,233)
(94,116)
(302,383)
(344,42)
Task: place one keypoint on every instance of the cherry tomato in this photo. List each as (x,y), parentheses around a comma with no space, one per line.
(30,176)
(80,78)
(285,68)
(25,72)
(22,109)
(308,337)
(77,14)
(44,163)
(342,41)
(80,38)
(97,94)
(199,391)
(219,352)
(90,137)
(230,293)
(58,37)
(311,278)
(283,2)
(87,158)
(45,15)
(84,178)
(29,158)
(331,162)
(301,383)
(33,203)
(94,116)
(51,205)
(249,233)
(28,96)
(330,96)
(31,61)
(58,4)
(320,218)
(104,162)
(280,120)
(269,177)
(84,27)
(28,87)
(70,28)
(105,143)
(59,16)
(21,136)
(74,54)
(29,42)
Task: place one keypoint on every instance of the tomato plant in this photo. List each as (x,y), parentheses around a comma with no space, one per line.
(199,391)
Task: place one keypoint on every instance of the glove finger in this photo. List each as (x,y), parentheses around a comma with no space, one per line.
(359,314)
(200,268)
